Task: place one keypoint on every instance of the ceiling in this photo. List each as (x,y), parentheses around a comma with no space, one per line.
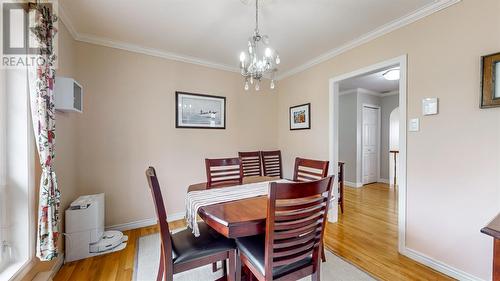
(374,82)
(216,31)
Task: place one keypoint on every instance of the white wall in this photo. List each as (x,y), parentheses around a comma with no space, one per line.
(347,133)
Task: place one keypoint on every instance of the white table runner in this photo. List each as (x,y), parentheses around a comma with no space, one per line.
(200,198)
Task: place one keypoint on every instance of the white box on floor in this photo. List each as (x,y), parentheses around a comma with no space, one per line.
(85,235)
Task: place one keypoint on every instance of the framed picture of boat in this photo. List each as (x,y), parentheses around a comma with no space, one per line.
(199,111)
(300,117)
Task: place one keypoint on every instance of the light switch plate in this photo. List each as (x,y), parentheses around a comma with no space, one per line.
(430,106)
(414,125)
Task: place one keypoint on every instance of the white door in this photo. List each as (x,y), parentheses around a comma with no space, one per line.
(370,144)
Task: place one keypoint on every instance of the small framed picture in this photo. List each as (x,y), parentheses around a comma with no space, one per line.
(300,117)
(199,111)
(490,96)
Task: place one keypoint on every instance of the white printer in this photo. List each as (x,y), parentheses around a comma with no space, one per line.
(85,235)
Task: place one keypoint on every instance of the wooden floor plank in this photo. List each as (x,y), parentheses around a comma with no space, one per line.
(366,235)
(65,272)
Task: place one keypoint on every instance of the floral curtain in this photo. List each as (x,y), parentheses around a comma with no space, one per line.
(41,80)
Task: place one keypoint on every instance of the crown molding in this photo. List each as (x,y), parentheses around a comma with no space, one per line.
(387,28)
(391,93)
(101,41)
(67,22)
(380,31)
(348,92)
(91,39)
(368,92)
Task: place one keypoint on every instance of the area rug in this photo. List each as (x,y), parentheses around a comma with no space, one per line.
(147,260)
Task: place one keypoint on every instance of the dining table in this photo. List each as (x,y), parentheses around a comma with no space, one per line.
(239,218)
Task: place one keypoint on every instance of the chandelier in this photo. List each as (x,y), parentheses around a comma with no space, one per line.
(259,59)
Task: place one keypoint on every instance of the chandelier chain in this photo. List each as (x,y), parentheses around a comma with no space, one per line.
(256,16)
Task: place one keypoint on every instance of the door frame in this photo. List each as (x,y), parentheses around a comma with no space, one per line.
(379,133)
(333,138)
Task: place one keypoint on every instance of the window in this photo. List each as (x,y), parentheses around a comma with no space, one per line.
(3,181)
(17,152)
(16,174)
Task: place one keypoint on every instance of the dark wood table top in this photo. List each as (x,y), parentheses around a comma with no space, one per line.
(493,228)
(238,218)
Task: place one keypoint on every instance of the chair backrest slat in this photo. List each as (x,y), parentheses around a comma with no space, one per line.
(271,163)
(250,163)
(166,262)
(296,219)
(309,170)
(225,171)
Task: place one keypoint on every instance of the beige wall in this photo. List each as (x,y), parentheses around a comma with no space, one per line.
(66,130)
(129,123)
(454,161)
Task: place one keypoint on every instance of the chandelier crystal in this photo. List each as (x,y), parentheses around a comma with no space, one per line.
(260,59)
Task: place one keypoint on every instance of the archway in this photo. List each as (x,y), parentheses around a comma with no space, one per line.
(393,144)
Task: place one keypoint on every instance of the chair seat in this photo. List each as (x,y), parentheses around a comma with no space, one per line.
(253,248)
(186,247)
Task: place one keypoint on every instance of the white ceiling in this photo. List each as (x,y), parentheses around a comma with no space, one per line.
(216,31)
(374,82)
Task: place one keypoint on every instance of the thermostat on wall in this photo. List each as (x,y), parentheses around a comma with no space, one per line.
(430,106)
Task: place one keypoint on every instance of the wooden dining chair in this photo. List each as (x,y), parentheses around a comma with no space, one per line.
(224,171)
(271,163)
(296,219)
(183,251)
(250,163)
(309,170)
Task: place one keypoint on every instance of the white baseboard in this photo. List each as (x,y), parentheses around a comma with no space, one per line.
(439,266)
(360,184)
(48,275)
(42,276)
(353,184)
(143,223)
(384,180)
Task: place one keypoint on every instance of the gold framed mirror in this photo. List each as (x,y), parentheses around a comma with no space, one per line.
(490,95)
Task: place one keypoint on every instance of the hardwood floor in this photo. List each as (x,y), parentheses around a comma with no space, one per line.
(366,235)
(115,266)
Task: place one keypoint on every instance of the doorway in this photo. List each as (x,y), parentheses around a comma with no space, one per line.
(355,174)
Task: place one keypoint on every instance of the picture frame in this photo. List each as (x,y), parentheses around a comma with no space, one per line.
(300,117)
(199,111)
(490,81)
